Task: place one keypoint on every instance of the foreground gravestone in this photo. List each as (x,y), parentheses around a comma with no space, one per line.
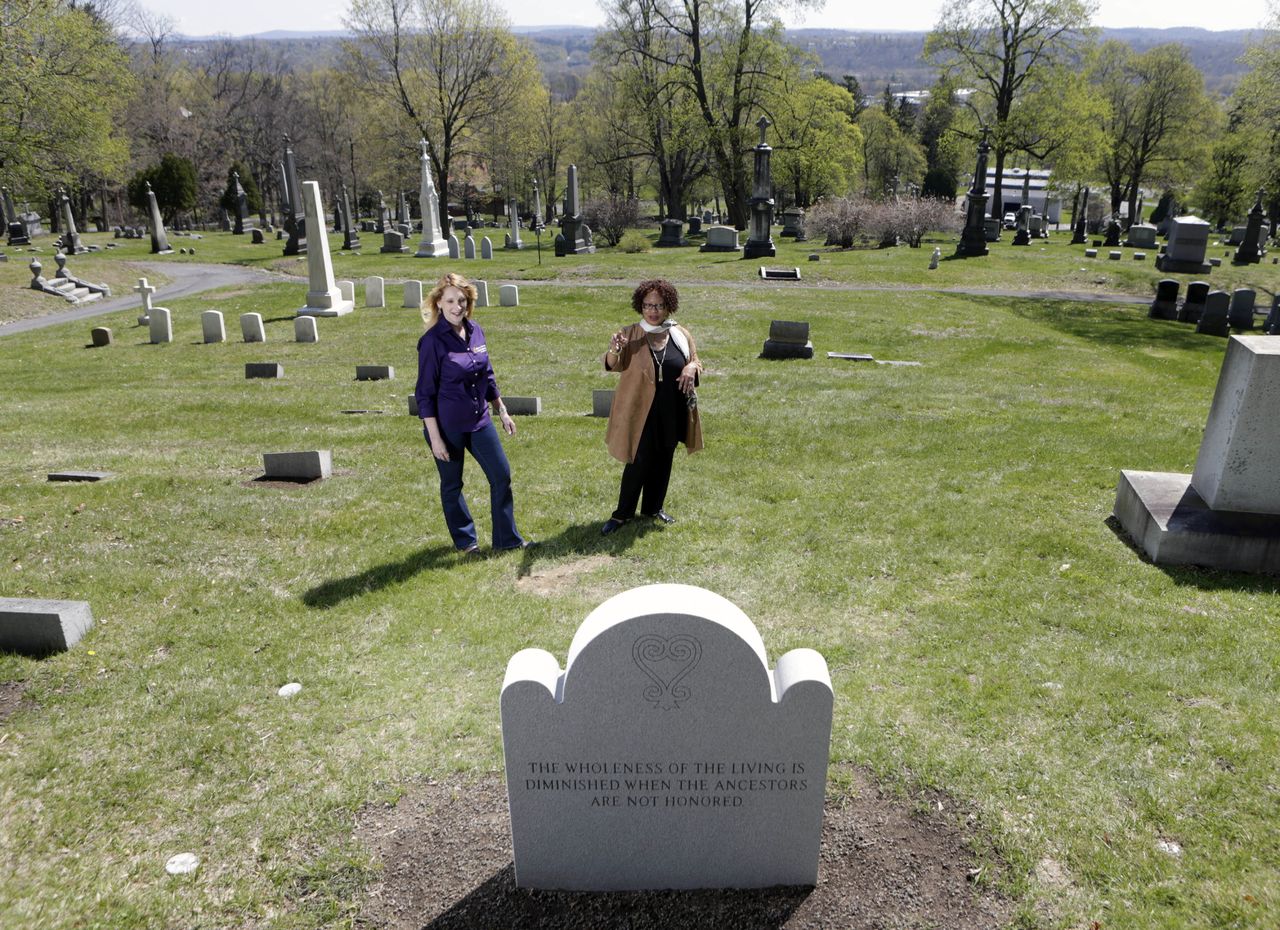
(413,295)
(373,291)
(263,370)
(522,406)
(36,627)
(1185,251)
(1213,321)
(100,337)
(666,754)
(509,295)
(375,372)
(251,327)
(305,329)
(452,243)
(348,290)
(323,296)
(787,340)
(160,326)
(297,466)
(482,293)
(212,326)
(601,402)
(1165,305)
(1224,515)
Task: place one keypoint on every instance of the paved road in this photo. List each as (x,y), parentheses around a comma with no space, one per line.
(188,279)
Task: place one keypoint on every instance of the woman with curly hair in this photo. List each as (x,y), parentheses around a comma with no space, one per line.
(455,389)
(655,406)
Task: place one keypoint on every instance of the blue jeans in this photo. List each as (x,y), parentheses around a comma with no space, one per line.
(485,448)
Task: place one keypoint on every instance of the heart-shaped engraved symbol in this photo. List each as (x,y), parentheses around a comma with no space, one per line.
(667,660)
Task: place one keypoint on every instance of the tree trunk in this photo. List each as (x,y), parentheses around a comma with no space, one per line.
(996,204)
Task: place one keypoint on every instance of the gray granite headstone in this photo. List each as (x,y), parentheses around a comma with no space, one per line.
(1165,306)
(1240,313)
(263,370)
(298,466)
(1193,304)
(1213,321)
(36,627)
(601,402)
(375,372)
(482,293)
(666,754)
(522,406)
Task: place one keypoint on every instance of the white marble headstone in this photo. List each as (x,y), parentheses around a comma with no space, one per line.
(373,291)
(161,326)
(213,326)
(482,293)
(509,295)
(251,327)
(666,754)
(413,294)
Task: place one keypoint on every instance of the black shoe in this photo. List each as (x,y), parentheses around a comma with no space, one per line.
(610,525)
(662,516)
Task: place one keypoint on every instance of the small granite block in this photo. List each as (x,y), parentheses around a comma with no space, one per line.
(601,403)
(509,295)
(1215,262)
(213,327)
(814,256)
(101,336)
(375,373)
(1139,256)
(413,405)
(263,370)
(1115,256)
(1090,253)
(35,627)
(523,406)
(81,475)
(297,466)
(305,329)
(774,349)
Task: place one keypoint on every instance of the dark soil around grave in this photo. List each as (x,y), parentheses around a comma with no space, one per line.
(445,850)
(10,697)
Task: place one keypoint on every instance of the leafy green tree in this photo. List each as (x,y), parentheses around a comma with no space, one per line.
(939,120)
(173,181)
(63,82)
(1156,105)
(1002,48)
(1224,193)
(1256,103)
(891,159)
(818,148)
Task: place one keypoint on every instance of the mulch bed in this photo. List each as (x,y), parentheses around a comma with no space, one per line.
(886,864)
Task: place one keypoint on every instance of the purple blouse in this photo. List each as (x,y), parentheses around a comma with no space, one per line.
(455,378)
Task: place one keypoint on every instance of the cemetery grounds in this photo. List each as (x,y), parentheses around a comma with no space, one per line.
(1101,731)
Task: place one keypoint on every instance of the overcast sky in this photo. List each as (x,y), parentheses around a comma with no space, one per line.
(246,17)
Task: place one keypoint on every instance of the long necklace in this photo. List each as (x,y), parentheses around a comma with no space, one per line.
(659,359)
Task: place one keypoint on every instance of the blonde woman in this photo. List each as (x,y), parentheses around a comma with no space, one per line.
(455,391)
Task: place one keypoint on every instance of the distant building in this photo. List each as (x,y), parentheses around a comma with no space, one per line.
(1040,198)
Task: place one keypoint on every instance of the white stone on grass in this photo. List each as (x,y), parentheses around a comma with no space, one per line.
(373,291)
(213,327)
(482,293)
(348,290)
(1169,848)
(38,627)
(509,295)
(289,690)
(412,295)
(666,754)
(323,296)
(251,327)
(160,326)
(305,329)
(182,864)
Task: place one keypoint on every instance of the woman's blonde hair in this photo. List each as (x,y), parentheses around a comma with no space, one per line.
(431,308)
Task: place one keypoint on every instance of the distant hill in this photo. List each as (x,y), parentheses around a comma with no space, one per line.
(876,58)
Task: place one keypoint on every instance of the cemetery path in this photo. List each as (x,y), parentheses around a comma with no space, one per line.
(186,279)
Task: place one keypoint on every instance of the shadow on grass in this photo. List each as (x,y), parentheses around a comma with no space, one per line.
(585,539)
(1206,579)
(331,593)
(499,903)
(1113,326)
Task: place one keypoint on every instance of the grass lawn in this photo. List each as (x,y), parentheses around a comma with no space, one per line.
(939,532)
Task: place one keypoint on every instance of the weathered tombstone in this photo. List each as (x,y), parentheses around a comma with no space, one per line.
(454,250)
(373,291)
(296,222)
(787,340)
(413,406)
(792,221)
(760,241)
(269,370)
(257,237)
(160,326)
(991,229)
(393,243)
(1188,241)
(1142,236)
(412,295)
(721,239)
(375,373)
(1214,321)
(509,295)
(522,406)
(601,402)
(1022,236)
(348,290)
(297,466)
(35,627)
(323,296)
(159,238)
(71,243)
(305,329)
(695,224)
(212,326)
(350,237)
(469,245)
(251,327)
(1036,227)
(574,237)
(679,757)
(513,240)
(974,238)
(1113,232)
(486,248)
(482,293)
(1193,304)
(934,258)
(100,337)
(1165,306)
(1240,313)
(1250,251)
(1223,515)
(672,235)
